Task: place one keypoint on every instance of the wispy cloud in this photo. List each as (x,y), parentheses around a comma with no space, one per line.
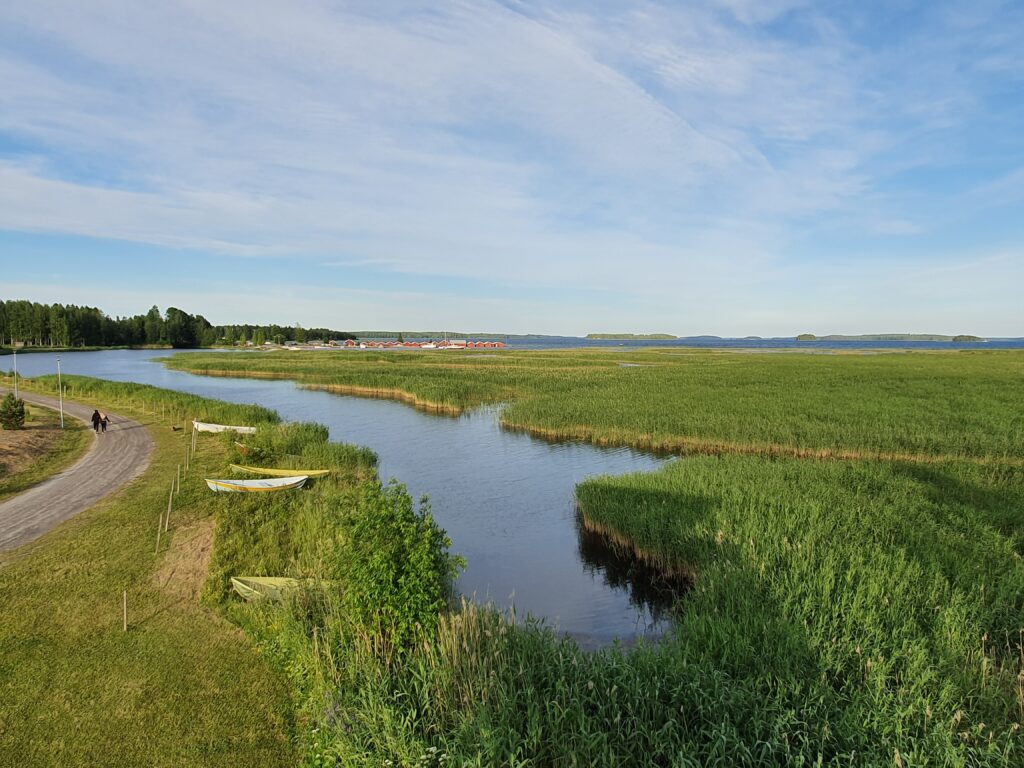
(652,150)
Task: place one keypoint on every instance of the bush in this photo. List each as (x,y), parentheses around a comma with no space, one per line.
(394,565)
(12,412)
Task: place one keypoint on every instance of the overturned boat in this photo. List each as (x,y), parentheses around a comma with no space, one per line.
(263,587)
(202,426)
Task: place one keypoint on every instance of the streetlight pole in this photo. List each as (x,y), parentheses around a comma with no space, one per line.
(15,374)
(60,393)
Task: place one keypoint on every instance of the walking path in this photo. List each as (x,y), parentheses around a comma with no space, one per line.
(113,459)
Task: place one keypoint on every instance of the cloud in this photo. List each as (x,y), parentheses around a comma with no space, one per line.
(651,151)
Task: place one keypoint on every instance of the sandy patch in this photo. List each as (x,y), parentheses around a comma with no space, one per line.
(185,565)
(19,448)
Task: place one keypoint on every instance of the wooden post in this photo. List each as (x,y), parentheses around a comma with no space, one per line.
(159,528)
(167,520)
(124,609)
(179,478)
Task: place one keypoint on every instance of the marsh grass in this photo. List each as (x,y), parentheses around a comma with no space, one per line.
(935,405)
(856,612)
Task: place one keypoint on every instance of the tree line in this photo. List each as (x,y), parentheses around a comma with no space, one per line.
(31,323)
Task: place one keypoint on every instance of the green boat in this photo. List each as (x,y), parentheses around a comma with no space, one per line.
(263,587)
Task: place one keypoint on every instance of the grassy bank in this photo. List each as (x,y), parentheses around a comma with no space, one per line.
(907,406)
(40,450)
(182,686)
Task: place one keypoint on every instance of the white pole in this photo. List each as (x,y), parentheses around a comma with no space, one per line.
(15,373)
(60,392)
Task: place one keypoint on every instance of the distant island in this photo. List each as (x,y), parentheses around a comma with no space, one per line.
(633,336)
(889,337)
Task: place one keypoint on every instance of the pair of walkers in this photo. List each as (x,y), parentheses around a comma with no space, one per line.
(99,421)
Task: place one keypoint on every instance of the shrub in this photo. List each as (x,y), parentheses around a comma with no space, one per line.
(12,412)
(394,565)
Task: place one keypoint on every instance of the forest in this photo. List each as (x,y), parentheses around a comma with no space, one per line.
(30,323)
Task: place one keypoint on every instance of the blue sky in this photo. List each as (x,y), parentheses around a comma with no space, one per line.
(723,166)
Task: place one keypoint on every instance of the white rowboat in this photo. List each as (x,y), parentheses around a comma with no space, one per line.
(257,486)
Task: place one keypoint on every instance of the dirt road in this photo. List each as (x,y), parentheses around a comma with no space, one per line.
(114,458)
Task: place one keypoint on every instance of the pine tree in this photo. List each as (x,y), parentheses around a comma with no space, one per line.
(12,412)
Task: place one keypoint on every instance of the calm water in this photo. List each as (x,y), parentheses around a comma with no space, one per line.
(705,342)
(506,499)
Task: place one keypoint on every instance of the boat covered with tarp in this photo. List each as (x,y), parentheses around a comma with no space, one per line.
(263,587)
(257,486)
(203,426)
(269,471)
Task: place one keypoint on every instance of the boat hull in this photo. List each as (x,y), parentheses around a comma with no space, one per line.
(263,587)
(202,426)
(256,486)
(280,472)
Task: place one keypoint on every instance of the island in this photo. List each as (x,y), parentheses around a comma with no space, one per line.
(633,336)
(891,337)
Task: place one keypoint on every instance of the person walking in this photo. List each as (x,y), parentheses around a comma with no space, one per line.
(104,420)
(96,419)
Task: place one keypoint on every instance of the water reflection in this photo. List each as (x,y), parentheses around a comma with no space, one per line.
(647,587)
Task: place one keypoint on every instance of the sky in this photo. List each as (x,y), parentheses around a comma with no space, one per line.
(729,167)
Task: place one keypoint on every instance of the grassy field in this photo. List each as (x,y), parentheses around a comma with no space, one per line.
(40,450)
(182,686)
(868,611)
(911,405)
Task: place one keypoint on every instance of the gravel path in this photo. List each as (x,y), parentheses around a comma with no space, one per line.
(113,459)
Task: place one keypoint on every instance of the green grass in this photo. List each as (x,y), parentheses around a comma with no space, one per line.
(67,446)
(921,405)
(182,686)
(891,595)
(859,612)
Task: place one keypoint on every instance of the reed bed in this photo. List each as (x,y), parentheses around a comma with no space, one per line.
(941,404)
(856,612)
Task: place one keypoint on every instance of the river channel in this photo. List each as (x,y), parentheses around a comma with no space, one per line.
(506,499)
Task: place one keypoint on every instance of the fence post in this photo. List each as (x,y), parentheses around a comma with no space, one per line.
(167,520)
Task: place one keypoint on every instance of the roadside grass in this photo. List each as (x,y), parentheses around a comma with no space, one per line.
(39,451)
(182,686)
(911,406)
